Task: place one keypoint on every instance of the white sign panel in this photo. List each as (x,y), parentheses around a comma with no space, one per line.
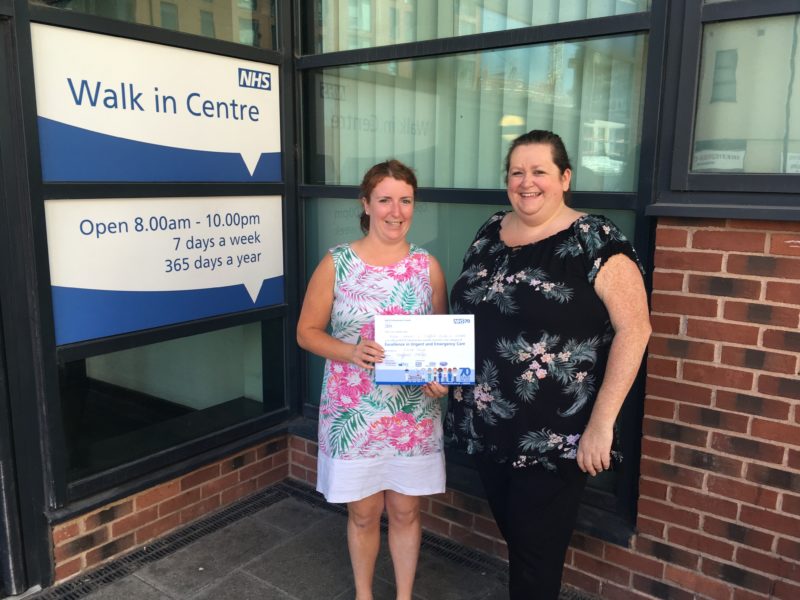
(718,160)
(120,265)
(114,109)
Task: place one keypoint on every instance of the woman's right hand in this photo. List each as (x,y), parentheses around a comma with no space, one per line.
(366,353)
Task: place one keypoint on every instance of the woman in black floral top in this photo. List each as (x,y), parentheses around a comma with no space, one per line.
(561,327)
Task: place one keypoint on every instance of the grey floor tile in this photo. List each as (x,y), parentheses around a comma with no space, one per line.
(441,579)
(211,557)
(291,515)
(131,587)
(313,565)
(241,586)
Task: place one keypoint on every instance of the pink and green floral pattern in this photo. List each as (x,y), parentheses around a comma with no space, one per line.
(357,418)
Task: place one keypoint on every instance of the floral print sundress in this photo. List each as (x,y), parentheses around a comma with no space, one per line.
(542,341)
(376,437)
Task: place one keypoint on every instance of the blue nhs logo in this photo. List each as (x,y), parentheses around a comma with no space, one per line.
(259,80)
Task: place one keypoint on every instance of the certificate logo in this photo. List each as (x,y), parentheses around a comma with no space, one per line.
(461,321)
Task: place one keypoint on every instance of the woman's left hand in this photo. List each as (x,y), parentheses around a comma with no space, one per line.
(434,389)
(594,449)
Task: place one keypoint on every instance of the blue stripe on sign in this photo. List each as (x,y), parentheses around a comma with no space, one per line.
(82,314)
(75,154)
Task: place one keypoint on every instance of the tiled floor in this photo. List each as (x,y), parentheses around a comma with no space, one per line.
(291,546)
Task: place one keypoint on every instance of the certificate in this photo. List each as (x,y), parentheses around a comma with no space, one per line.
(419,349)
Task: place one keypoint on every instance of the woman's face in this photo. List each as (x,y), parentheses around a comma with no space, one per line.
(535,186)
(390,208)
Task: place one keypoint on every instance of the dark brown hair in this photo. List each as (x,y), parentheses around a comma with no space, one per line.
(389,168)
(542,136)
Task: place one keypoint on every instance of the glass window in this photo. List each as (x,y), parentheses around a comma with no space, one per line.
(126,405)
(248,32)
(446,230)
(755,127)
(169,16)
(724,84)
(351,24)
(207,23)
(452,117)
(217,19)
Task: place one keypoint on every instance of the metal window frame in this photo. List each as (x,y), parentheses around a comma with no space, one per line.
(114,483)
(682,192)
(618,512)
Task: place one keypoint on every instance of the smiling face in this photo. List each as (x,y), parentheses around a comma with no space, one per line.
(534,184)
(390,208)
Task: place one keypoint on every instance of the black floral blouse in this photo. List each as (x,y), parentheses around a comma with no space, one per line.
(542,338)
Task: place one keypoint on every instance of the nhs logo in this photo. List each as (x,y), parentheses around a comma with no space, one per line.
(260,80)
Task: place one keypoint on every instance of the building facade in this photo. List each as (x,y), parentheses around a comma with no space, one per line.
(171,172)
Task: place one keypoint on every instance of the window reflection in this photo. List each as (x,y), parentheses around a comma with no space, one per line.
(452,117)
(249,22)
(748,103)
(351,24)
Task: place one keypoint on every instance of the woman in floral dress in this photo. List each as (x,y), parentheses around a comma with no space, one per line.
(561,326)
(379,446)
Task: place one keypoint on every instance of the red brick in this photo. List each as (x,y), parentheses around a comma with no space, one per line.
(602,569)
(706,503)
(680,348)
(635,562)
(662,367)
(200,509)
(784,590)
(763,266)
(764,225)
(746,447)
(684,305)
(789,549)
(785,244)
(305,460)
(157,494)
(178,502)
(696,541)
(757,312)
(779,386)
(659,589)
(776,432)
(668,513)
(671,238)
(782,291)
(767,519)
(724,332)
(157,528)
(81,544)
(645,526)
(706,373)
(730,287)
(736,575)
(471,539)
(238,491)
(656,449)
(610,591)
(753,405)
(664,409)
(683,260)
(476,506)
(110,550)
(715,419)
(708,461)
(794,459)
(678,390)
(296,443)
(669,325)
(450,513)
(134,521)
(734,241)
(434,524)
(707,587)
(752,358)
(64,532)
(487,527)
(68,569)
(217,485)
(257,468)
(667,281)
(200,476)
(279,474)
(738,533)
(788,341)
(791,504)
(671,473)
(736,489)
(759,561)
(667,552)
(674,432)
(582,581)
(107,515)
(653,489)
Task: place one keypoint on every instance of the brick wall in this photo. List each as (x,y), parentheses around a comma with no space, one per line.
(115,529)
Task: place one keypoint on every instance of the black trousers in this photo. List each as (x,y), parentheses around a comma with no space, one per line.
(535,510)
